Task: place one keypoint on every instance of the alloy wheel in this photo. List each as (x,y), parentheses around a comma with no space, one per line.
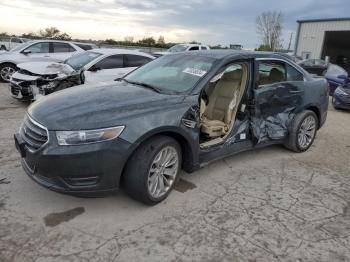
(307,132)
(162,173)
(6,73)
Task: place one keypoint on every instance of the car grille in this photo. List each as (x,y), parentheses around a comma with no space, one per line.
(33,134)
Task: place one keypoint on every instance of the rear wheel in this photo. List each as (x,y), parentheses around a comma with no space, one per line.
(303,131)
(153,170)
(6,71)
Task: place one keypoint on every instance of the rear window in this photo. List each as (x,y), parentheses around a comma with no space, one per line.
(136,60)
(86,47)
(194,48)
(62,48)
(111,62)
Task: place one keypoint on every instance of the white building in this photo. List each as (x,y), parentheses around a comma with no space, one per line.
(319,38)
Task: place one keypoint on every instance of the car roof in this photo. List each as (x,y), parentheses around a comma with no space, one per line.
(60,41)
(190,45)
(230,53)
(116,51)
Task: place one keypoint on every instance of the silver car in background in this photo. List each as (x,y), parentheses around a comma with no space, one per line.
(35,79)
(38,50)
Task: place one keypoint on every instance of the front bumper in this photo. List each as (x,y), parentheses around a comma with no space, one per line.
(86,170)
(341,101)
(19,92)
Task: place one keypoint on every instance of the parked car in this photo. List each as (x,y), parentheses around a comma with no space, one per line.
(182,48)
(341,96)
(178,111)
(314,66)
(8,43)
(35,79)
(334,74)
(37,50)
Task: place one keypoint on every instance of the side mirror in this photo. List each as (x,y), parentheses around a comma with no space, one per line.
(26,52)
(94,68)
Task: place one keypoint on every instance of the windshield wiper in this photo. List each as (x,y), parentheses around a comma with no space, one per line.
(139,84)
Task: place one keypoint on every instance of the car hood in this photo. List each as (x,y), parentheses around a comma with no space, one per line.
(99,105)
(46,68)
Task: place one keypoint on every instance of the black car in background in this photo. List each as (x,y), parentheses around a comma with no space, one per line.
(180,111)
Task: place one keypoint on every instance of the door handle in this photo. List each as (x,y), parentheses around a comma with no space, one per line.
(295,91)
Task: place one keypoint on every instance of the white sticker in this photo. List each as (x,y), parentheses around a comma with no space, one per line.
(242,136)
(194,71)
(243,108)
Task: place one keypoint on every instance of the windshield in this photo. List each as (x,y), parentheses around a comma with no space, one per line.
(173,73)
(334,70)
(21,46)
(79,61)
(177,48)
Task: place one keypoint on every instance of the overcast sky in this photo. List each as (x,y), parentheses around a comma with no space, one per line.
(211,22)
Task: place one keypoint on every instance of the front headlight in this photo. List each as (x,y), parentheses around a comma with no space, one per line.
(66,138)
(340,91)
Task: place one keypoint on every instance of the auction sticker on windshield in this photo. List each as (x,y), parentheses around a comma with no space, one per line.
(194,71)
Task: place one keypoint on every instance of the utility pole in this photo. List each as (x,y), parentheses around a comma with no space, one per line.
(290,41)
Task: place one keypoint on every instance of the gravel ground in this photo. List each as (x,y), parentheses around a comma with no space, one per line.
(264,205)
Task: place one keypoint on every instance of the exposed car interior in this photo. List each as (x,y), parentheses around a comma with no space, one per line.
(219,104)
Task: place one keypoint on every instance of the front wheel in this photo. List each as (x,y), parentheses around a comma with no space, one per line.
(153,170)
(6,71)
(303,131)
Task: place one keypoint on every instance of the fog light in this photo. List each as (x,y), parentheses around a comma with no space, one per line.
(82,181)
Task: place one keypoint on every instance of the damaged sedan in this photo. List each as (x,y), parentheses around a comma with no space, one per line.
(180,111)
(35,79)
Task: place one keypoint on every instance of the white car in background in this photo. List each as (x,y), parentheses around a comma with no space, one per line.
(35,79)
(182,48)
(38,50)
(8,43)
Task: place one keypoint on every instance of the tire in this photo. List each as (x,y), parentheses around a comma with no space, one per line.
(293,142)
(138,172)
(3,48)
(6,70)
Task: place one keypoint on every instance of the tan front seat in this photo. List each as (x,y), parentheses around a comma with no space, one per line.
(218,113)
(276,76)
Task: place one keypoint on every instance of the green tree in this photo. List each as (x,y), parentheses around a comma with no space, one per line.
(264,48)
(269,28)
(110,42)
(149,41)
(129,39)
(54,33)
(161,40)
(30,35)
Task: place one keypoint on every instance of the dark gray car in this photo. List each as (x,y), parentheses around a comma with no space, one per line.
(180,111)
